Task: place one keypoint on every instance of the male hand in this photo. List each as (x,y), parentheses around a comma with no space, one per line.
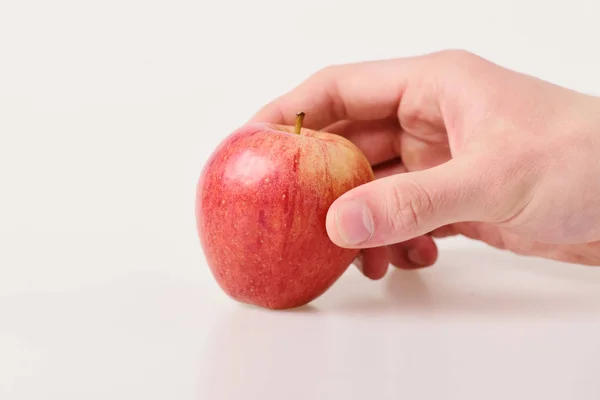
(459,146)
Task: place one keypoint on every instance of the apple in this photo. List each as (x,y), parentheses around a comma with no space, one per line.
(261,204)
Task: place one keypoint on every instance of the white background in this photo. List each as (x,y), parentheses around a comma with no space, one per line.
(109,109)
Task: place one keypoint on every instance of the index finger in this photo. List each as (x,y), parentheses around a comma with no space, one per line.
(360,92)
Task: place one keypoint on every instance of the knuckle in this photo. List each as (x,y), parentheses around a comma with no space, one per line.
(460,63)
(410,205)
(327,80)
(325,73)
(457,55)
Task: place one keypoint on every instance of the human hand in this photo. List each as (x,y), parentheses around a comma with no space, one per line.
(459,145)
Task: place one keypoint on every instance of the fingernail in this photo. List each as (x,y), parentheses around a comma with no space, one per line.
(415,257)
(354,222)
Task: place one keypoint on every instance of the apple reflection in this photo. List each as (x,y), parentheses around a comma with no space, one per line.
(261,354)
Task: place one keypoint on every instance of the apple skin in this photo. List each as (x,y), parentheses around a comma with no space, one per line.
(261,205)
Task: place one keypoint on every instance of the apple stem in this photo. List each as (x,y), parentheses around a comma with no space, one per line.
(299,119)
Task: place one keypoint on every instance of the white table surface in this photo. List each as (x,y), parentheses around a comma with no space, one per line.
(108,111)
(109,323)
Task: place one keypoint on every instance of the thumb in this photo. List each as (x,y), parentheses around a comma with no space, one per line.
(401,207)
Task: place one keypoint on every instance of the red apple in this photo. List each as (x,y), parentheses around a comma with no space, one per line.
(261,205)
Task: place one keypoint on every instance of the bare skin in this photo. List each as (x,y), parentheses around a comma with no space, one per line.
(460,146)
